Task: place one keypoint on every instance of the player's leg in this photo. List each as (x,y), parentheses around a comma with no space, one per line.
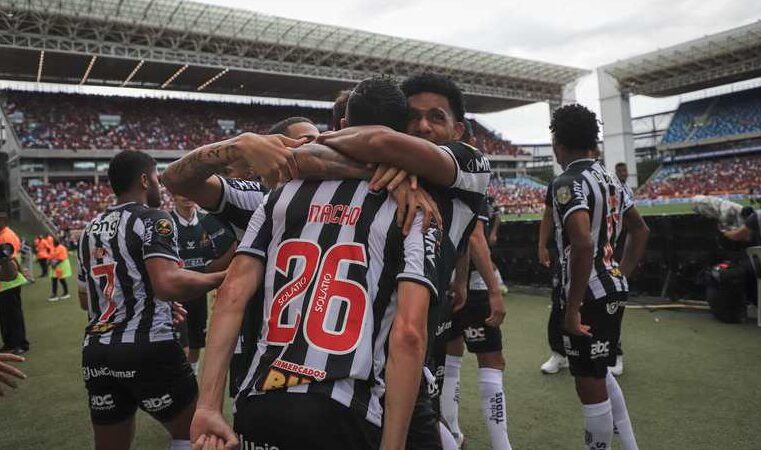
(116,436)
(179,427)
(450,387)
(486,342)
(621,418)
(557,360)
(197,320)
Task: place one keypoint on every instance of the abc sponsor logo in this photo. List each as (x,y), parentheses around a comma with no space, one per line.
(157,403)
(102,402)
(474,334)
(600,349)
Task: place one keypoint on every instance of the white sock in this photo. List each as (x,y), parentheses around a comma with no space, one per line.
(598,423)
(620,414)
(447,440)
(494,406)
(450,393)
(194,366)
(179,444)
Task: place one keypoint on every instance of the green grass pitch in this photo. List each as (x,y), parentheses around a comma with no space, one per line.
(690,382)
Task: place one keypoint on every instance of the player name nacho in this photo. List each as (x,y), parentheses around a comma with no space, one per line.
(341,214)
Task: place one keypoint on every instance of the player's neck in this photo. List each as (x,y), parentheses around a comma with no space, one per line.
(132,197)
(186,214)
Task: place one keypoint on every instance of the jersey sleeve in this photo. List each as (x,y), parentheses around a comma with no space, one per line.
(569,194)
(81,274)
(473,172)
(259,232)
(627,198)
(484,214)
(159,236)
(240,198)
(422,253)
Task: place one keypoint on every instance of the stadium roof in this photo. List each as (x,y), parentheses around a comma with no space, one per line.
(184,45)
(714,60)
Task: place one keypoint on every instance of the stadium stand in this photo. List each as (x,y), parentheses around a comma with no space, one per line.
(734,175)
(738,113)
(72,204)
(520,195)
(491,143)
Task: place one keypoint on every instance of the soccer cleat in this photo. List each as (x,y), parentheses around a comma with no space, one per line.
(618,369)
(64,297)
(53,298)
(554,364)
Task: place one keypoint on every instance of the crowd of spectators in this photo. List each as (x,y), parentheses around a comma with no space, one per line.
(78,122)
(491,143)
(70,205)
(520,195)
(734,175)
(727,115)
(81,122)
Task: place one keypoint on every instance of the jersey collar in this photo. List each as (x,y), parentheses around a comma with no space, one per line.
(187,223)
(584,160)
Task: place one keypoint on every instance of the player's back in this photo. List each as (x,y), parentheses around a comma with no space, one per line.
(334,256)
(113,249)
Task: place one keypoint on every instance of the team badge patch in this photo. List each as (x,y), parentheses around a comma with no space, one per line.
(563,195)
(163,227)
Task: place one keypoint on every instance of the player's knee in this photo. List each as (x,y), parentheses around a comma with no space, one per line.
(456,347)
(491,360)
(591,390)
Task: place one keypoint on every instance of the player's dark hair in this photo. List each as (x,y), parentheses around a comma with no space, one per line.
(468,133)
(437,84)
(339,108)
(575,127)
(377,101)
(282,126)
(126,167)
(620,165)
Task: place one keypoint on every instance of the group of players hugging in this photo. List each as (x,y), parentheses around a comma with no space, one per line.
(362,269)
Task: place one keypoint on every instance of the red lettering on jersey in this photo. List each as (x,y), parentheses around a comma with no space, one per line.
(340,214)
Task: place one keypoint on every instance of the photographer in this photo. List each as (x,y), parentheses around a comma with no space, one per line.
(12,327)
(749,232)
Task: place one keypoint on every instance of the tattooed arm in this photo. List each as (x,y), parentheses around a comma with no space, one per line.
(320,162)
(248,154)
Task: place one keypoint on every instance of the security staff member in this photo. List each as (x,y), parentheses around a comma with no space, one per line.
(12,328)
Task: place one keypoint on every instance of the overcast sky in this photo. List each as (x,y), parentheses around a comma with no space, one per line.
(579,33)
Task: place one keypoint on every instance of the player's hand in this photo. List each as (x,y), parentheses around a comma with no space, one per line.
(458,293)
(497,310)
(269,157)
(544,256)
(409,201)
(573,325)
(210,431)
(390,177)
(8,372)
(179,313)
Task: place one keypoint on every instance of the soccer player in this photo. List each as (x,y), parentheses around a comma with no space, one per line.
(457,176)
(205,245)
(129,271)
(476,325)
(346,297)
(296,128)
(589,210)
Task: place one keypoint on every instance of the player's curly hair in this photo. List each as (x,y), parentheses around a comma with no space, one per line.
(575,127)
(377,101)
(437,84)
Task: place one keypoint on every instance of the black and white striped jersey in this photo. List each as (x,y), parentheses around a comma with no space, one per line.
(239,200)
(113,248)
(586,185)
(485,215)
(334,256)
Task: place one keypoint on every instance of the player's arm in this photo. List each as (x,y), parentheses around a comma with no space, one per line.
(382,145)
(545,231)
(578,230)
(243,279)
(407,344)
(459,288)
(192,175)
(320,162)
(741,234)
(222,262)
(494,232)
(174,284)
(636,241)
(481,257)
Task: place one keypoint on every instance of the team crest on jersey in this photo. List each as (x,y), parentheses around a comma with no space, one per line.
(163,227)
(563,195)
(100,328)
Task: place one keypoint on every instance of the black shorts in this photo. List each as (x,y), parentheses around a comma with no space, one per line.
(196,322)
(590,357)
(470,323)
(423,433)
(119,378)
(289,421)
